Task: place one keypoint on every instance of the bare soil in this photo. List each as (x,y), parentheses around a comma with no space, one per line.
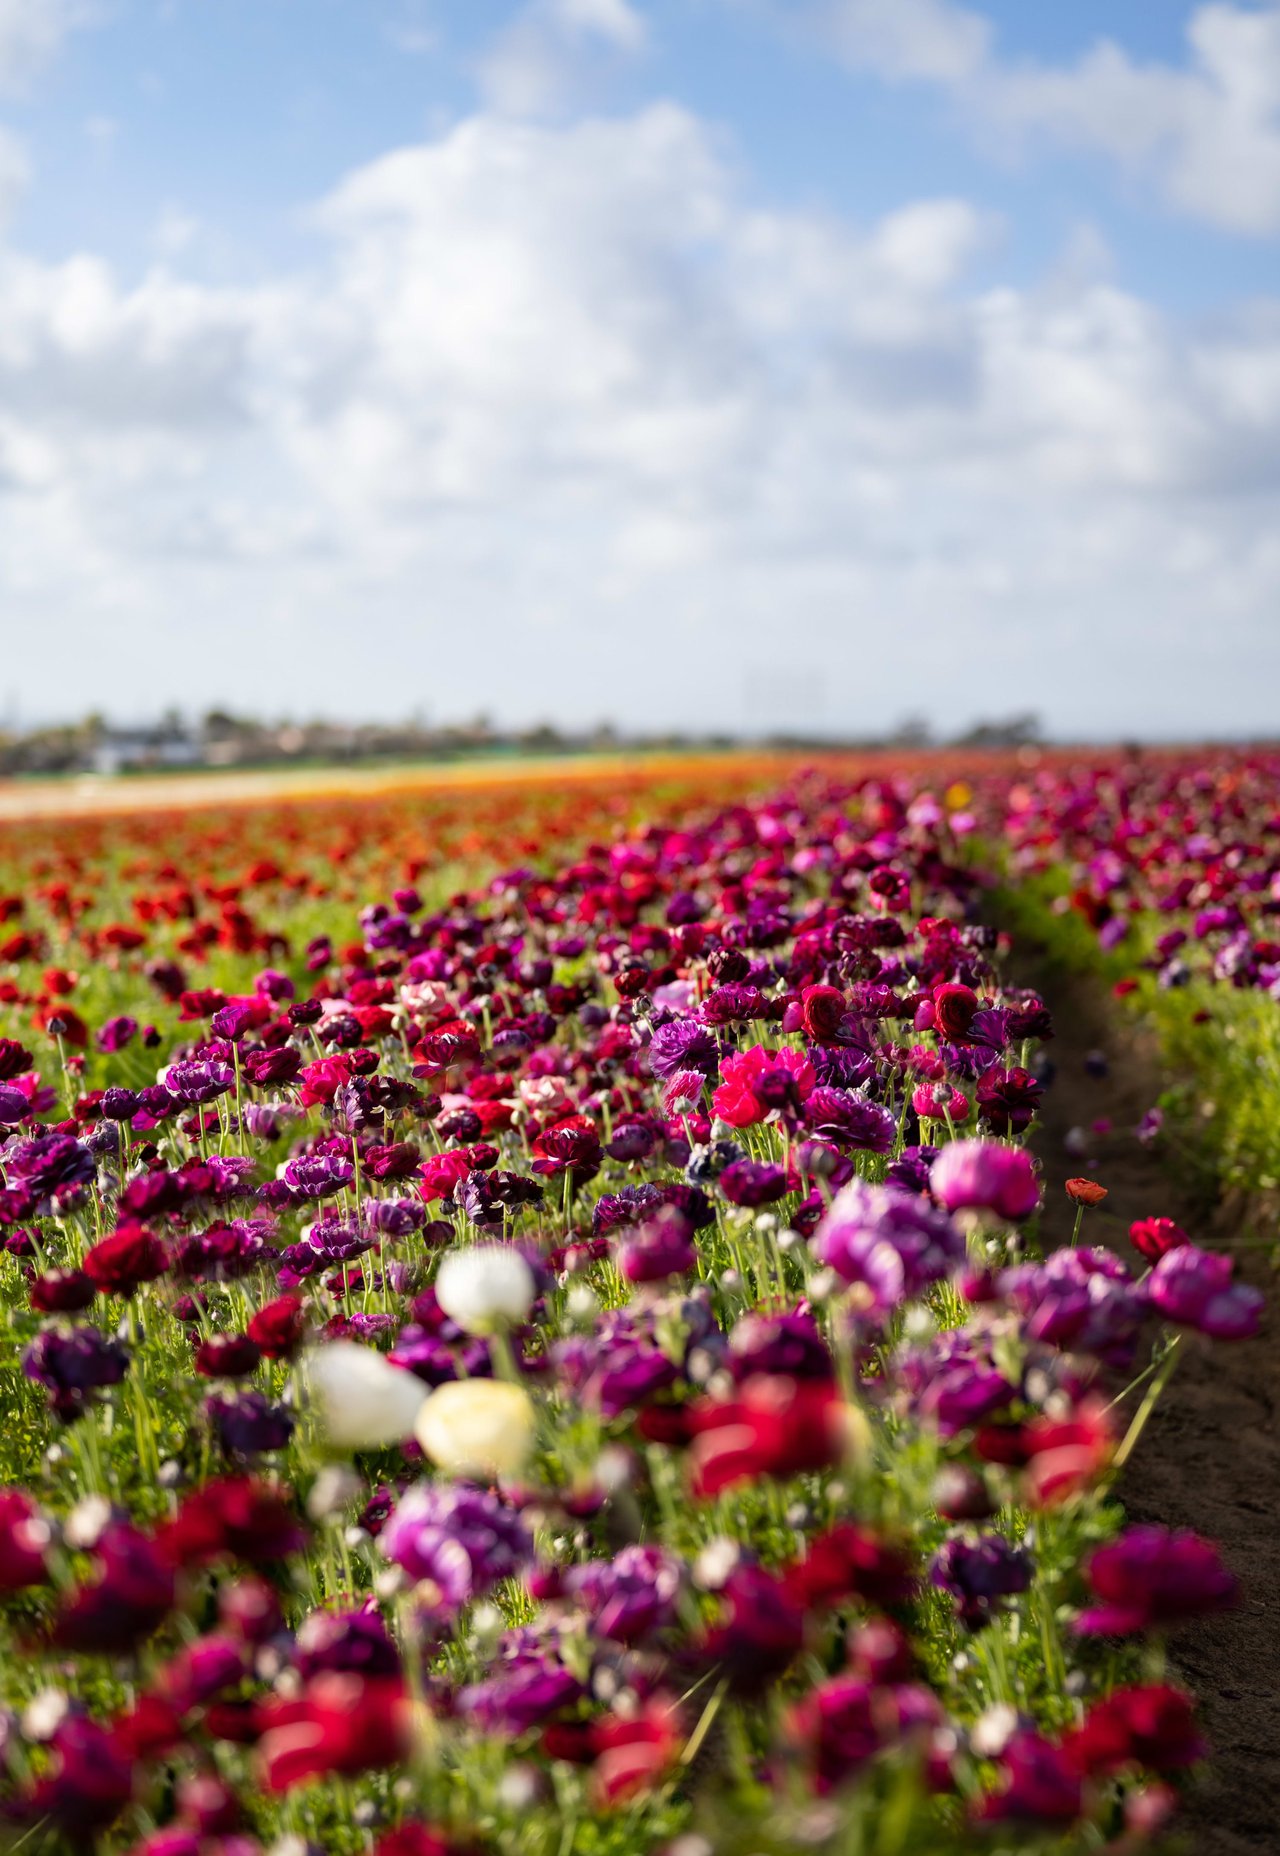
(1210,1457)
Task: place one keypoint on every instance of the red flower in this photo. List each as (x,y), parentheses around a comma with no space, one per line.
(636,1752)
(1153,1238)
(129,1255)
(234,1515)
(1152,1726)
(1064,1456)
(340,1724)
(776,1426)
(278,1327)
(1086,1191)
(227,1356)
(822,1009)
(850,1561)
(954,1010)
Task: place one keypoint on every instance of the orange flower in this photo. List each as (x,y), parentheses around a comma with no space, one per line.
(1086,1191)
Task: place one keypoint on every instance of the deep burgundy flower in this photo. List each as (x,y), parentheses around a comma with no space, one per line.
(1153,1577)
(1039,1784)
(89,1786)
(25,1539)
(1008,1099)
(356,1641)
(129,1256)
(760,1633)
(821,1010)
(851,1561)
(235,1516)
(954,1008)
(131,1596)
(1151,1726)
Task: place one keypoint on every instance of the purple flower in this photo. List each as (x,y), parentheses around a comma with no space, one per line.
(116,1033)
(850,1119)
(462,1539)
(73,1363)
(338,1240)
(978,1572)
(683,1045)
(395,1217)
(247,1423)
(891,1241)
(911,1169)
(780,1344)
(1194,1288)
(631,1596)
(424,1355)
(194,1083)
(984,1176)
(662,1247)
(49,1163)
(530,1689)
(752,1182)
(317,1176)
(354,1641)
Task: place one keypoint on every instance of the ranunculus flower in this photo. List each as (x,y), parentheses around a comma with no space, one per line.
(476,1427)
(362,1402)
(1152,1577)
(1153,1238)
(1194,1288)
(774,1426)
(821,1009)
(485,1288)
(985,1176)
(953,1011)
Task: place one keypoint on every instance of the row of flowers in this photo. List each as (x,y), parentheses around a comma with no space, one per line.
(581,1365)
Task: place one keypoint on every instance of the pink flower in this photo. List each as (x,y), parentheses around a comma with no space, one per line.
(758,1080)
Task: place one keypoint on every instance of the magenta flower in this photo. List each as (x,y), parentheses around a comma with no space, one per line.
(1152,1577)
(984,1176)
(1194,1288)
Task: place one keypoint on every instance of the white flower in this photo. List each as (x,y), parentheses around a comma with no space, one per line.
(489,1286)
(361,1400)
(477,1427)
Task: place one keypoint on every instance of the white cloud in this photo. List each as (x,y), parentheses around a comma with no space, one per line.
(553,51)
(931,39)
(1204,134)
(30,33)
(568,422)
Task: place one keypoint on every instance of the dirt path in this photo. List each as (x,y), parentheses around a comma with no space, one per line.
(1210,1457)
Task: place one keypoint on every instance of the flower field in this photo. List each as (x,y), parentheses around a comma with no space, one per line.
(532,1324)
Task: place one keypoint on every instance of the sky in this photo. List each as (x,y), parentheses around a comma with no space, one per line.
(715,364)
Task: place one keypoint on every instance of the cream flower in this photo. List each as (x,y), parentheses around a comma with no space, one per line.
(477,1427)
